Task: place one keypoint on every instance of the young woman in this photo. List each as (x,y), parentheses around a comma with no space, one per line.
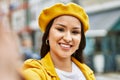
(63,41)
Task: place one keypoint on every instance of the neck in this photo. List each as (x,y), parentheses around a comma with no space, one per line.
(64,64)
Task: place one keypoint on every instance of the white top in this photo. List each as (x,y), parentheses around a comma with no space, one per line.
(76,74)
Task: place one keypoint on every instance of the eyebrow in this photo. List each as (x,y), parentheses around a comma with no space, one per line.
(61,25)
(65,26)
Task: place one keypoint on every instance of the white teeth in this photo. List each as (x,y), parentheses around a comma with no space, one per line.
(66,46)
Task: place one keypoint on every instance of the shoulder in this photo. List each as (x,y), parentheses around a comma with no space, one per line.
(31,63)
(32,69)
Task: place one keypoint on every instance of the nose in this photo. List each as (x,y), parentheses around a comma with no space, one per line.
(67,37)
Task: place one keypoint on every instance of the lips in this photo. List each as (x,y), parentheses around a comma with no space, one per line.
(65,46)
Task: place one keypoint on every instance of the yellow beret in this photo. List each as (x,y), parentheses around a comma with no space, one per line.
(59,9)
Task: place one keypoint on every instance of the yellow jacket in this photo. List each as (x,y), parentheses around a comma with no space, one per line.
(44,69)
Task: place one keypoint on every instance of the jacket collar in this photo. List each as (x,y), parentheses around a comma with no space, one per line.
(88,73)
(48,65)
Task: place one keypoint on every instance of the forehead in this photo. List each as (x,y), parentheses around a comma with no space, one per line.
(67,17)
(67,20)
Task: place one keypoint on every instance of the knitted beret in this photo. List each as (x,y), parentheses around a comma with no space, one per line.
(59,9)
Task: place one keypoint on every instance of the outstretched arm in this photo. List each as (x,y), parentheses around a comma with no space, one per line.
(9,53)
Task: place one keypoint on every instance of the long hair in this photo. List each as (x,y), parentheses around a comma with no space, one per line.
(45,48)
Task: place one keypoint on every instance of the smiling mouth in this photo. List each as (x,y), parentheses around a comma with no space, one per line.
(65,46)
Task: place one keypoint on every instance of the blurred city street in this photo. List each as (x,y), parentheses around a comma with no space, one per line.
(102,50)
(108,76)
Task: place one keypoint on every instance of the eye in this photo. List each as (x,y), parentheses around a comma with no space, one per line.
(75,32)
(60,29)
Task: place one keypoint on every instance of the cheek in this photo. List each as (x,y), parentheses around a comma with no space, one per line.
(53,36)
(77,41)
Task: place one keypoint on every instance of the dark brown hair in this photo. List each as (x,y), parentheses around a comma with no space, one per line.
(78,54)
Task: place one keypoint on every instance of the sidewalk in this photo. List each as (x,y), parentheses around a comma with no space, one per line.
(108,76)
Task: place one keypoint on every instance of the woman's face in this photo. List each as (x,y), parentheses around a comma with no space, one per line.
(64,36)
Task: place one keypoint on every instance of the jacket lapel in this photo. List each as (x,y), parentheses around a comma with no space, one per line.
(88,73)
(48,65)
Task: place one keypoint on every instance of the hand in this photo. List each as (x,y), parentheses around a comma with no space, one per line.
(9,52)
